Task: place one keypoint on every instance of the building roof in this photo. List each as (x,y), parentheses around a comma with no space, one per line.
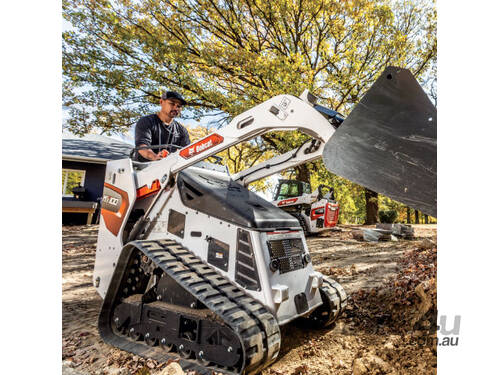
(93,148)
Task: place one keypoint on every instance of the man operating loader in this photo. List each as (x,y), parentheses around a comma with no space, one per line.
(158,134)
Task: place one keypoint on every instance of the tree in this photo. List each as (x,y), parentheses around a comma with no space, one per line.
(231,55)
(371,198)
(226,56)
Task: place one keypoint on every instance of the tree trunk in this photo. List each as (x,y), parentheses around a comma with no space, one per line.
(371,199)
(408,215)
(426,219)
(417,219)
(303,173)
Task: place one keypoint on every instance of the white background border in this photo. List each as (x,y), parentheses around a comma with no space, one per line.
(468,169)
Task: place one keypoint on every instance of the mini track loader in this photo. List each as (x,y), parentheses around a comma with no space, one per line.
(194,266)
(315,211)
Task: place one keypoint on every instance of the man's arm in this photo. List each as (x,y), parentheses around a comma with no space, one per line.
(143,138)
(147,153)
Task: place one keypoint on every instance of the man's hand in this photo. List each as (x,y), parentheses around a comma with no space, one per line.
(147,153)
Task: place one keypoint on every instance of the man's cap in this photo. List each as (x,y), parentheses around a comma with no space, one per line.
(173,95)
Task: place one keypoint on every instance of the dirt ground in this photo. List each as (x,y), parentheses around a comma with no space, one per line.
(385,329)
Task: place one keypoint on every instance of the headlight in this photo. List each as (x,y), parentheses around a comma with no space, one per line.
(274,265)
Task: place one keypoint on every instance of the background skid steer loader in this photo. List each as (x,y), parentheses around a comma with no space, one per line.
(316,211)
(194,266)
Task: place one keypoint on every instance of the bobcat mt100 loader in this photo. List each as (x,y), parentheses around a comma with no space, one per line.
(316,211)
(193,266)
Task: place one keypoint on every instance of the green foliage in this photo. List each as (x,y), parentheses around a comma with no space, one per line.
(230,55)
(387,204)
(388,216)
(70,180)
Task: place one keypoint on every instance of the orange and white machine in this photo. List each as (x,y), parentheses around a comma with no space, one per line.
(316,211)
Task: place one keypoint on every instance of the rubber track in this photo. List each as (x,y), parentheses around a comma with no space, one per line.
(256,328)
(337,297)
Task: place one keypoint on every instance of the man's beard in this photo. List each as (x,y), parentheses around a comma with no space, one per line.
(173,113)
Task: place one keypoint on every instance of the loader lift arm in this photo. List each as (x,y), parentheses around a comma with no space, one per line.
(309,151)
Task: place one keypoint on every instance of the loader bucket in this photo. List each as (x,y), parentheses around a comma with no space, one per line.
(388,142)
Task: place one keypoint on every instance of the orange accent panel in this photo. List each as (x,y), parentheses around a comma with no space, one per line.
(113,220)
(202,145)
(145,191)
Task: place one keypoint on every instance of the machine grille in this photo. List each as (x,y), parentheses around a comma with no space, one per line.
(331,215)
(246,272)
(289,253)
